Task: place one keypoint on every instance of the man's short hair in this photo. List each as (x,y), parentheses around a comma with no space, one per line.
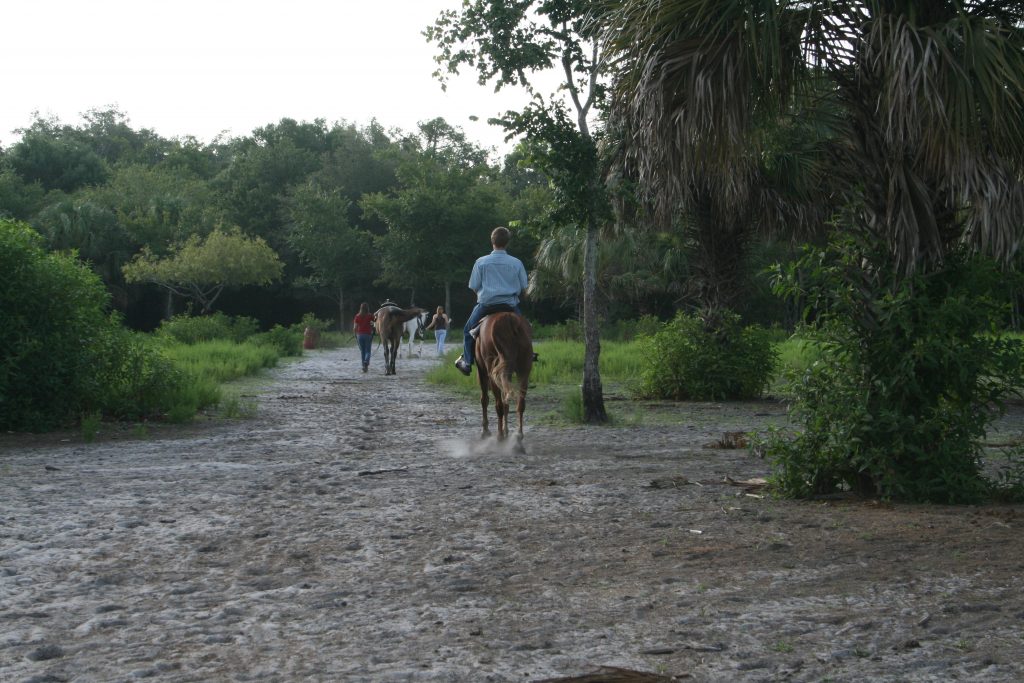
(500,237)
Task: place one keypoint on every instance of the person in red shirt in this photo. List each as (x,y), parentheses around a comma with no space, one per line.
(362,325)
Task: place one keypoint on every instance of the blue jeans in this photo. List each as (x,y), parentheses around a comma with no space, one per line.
(365,345)
(440,334)
(467,338)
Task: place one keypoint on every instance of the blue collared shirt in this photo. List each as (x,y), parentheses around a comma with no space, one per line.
(497,278)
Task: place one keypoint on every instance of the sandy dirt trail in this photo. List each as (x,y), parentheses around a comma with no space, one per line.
(356,530)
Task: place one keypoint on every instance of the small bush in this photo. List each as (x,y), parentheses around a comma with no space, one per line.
(688,361)
(311,321)
(195,329)
(287,341)
(142,381)
(907,379)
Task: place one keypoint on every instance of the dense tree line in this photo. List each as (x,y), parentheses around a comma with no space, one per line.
(352,213)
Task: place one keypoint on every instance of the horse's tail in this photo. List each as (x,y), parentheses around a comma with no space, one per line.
(502,377)
(510,344)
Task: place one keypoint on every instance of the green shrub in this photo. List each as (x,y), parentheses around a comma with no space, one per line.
(53,330)
(907,380)
(189,329)
(64,358)
(688,361)
(311,321)
(141,381)
(287,341)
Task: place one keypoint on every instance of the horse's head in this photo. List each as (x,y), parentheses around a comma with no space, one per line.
(421,323)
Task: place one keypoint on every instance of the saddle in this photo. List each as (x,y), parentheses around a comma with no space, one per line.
(491,310)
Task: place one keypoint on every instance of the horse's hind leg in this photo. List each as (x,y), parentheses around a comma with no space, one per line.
(485,431)
(520,409)
(502,407)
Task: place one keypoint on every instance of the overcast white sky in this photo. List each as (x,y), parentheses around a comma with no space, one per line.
(202,67)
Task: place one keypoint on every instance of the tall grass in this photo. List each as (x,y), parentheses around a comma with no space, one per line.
(222,360)
(561,363)
(796,355)
(205,366)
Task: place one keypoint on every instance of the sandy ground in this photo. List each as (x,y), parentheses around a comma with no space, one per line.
(356,529)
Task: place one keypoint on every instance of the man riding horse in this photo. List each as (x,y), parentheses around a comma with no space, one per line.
(500,282)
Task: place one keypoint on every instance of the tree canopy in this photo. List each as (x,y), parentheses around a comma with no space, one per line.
(202,267)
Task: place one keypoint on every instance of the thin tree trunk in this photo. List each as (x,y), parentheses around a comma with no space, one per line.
(593,394)
(448,298)
(169,310)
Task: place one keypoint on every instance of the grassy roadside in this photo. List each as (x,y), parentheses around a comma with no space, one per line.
(555,380)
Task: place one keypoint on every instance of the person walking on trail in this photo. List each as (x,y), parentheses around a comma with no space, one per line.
(362,325)
(497,279)
(439,324)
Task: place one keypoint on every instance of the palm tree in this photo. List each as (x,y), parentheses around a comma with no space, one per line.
(920,105)
(916,110)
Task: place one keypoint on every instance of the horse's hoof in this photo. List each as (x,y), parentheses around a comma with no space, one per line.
(519,448)
(485,435)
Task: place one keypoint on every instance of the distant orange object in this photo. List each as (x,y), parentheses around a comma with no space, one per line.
(310,338)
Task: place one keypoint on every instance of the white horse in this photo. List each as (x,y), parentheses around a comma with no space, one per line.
(415,327)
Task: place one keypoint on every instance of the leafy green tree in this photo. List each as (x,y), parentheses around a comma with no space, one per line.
(339,256)
(18,199)
(93,233)
(108,133)
(202,267)
(508,43)
(195,158)
(360,161)
(140,206)
(442,212)
(264,166)
(158,206)
(56,163)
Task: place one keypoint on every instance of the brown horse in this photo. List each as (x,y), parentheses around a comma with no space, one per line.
(390,322)
(503,349)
